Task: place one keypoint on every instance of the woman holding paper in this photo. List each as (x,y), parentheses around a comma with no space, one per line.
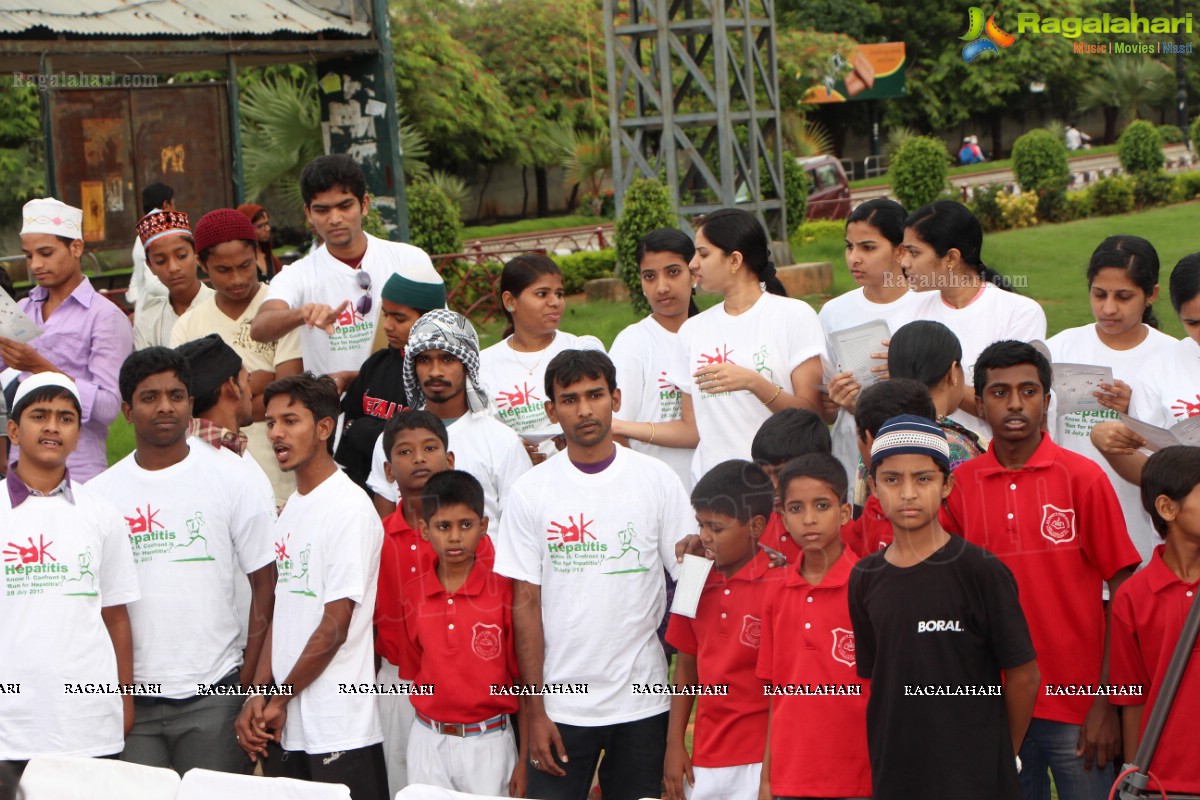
(742,360)
(943,258)
(1169,389)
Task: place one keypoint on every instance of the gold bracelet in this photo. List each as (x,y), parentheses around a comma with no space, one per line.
(651,439)
(778,390)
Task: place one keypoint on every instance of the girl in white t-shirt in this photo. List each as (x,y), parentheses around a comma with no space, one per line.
(874,232)
(643,352)
(512,371)
(943,243)
(1123,285)
(1169,389)
(743,359)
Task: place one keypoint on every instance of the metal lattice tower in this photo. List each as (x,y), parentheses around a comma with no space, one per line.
(694,100)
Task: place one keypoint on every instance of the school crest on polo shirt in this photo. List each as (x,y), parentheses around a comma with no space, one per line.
(485,641)
(843,646)
(1058,524)
(751,631)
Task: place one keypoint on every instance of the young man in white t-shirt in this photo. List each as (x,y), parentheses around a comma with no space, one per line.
(68,575)
(327,543)
(198,527)
(441,375)
(585,537)
(335,291)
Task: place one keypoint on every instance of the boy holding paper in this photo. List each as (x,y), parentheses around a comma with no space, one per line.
(718,648)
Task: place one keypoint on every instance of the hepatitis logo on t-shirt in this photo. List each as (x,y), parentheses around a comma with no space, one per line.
(1182,408)
(35,553)
(31,569)
(149,537)
(485,641)
(570,532)
(1058,524)
(629,559)
(522,395)
(751,631)
(760,364)
(719,356)
(843,646)
(349,317)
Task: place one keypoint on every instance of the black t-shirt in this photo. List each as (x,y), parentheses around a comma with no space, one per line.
(933,638)
(370,401)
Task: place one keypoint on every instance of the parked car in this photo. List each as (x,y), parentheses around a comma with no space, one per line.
(829,189)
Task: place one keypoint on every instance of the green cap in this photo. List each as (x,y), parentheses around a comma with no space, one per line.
(421,288)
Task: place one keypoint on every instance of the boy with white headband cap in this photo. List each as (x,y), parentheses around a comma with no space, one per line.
(68,574)
(86,336)
(936,623)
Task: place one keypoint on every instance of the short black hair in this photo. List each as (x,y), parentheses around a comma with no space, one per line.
(411,421)
(43,395)
(1173,471)
(141,364)
(154,195)
(735,488)
(822,467)
(790,433)
(1010,353)
(331,172)
(886,399)
(452,487)
(570,366)
(317,393)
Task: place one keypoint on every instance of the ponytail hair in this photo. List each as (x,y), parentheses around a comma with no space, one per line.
(518,275)
(732,229)
(946,225)
(883,214)
(1137,257)
(670,240)
(924,351)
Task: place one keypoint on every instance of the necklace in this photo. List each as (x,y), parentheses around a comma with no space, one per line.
(541,354)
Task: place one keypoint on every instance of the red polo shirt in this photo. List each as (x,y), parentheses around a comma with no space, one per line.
(776,537)
(1148,614)
(872,531)
(1057,524)
(463,642)
(399,562)
(730,730)
(807,640)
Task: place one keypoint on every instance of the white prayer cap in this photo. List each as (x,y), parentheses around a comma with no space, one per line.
(40,380)
(48,215)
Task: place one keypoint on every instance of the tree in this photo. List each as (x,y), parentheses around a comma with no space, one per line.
(444,89)
(1129,83)
(281,132)
(549,58)
(854,18)
(586,160)
(22,164)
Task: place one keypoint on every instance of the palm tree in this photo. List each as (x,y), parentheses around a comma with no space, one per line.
(586,159)
(1129,84)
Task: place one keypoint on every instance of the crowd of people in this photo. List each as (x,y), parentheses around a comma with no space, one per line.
(353,546)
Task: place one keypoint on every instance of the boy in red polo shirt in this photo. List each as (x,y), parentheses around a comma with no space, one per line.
(1053,518)
(872,531)
(719,647)
(1148,616)
(459,625)
(807,648)
(415,442)
(785,435)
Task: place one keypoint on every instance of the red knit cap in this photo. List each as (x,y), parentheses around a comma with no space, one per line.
(223,225)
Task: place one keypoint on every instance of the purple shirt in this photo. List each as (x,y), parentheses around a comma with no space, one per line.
(88,338)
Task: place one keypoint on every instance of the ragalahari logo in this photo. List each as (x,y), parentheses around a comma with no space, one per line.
(993,39)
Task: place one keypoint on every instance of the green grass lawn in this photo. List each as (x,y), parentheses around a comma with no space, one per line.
(1004,163)
(531,226)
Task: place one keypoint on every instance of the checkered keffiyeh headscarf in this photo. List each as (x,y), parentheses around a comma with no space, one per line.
(442,329)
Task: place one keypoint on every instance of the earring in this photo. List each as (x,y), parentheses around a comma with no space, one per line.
(508,309)
(733,270)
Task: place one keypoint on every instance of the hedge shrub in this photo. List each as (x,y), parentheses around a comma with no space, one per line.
(985,208)
(1052,205)
(433,221)
(918,171)
(1170,134)
(1079,205)
(1152,189)
(1194,135)
(1040,161)
(1140,148)
(1187,185)
(646,208)
(1111,196)
(579,268)
(1018,211)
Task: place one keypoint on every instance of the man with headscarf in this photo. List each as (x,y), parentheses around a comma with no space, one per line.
(441,375)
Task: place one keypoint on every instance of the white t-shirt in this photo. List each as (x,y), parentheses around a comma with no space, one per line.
(846,311)
(1170,390)
(482,446)
(321,278)
(773,337)
(327,545)
(597,545)
(515,381)
(63,563)
(197,529)
(1072,431)
(994,315)
(155,319)
(642,353)
(142,282)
